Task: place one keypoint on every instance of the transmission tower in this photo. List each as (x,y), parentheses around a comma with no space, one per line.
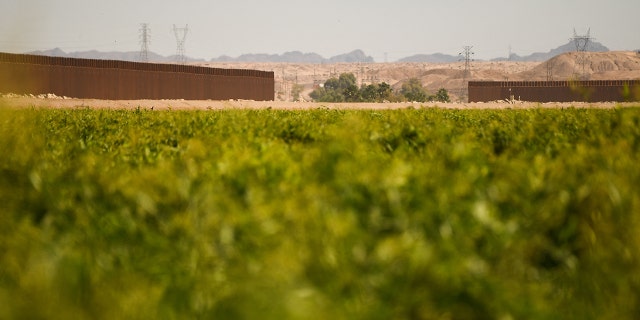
(550,64)
(466,57)
(181,36)
(582,46)
(145,39)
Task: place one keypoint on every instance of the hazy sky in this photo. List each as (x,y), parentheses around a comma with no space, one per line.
(399,28)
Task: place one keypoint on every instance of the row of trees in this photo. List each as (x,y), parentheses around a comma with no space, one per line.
(345,89)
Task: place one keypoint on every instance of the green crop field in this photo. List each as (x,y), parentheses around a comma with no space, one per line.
(320,214)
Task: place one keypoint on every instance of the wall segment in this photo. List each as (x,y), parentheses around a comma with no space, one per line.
(555,91)
(124,80)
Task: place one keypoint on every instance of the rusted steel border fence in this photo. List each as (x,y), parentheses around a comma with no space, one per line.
(124,80)
(555,91)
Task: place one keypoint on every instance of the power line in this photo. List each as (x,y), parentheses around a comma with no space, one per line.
(466,57)
(582,46)
(181,37)
(550,64)
(145,39)
(581,41)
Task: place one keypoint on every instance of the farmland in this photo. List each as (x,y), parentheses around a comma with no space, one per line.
(425,213)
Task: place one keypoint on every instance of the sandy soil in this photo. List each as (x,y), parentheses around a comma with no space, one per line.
(57,102)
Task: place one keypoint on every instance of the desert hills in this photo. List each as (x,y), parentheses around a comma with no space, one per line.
(611,65)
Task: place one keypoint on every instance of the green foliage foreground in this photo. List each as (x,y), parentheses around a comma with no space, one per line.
(321,214)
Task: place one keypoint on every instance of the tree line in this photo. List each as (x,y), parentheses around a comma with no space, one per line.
(345,89)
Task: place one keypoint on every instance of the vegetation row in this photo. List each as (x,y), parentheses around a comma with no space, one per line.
(320,214)
(345,89)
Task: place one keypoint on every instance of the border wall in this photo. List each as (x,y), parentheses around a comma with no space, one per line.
(555,91)
(124,80)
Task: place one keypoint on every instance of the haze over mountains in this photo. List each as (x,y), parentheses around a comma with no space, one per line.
(300,57)
(292,57)
(536,56)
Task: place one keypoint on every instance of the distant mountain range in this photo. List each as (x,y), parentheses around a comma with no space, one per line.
(544,56)
(293,56)
(431,58)
(299,57)
(536,56)
(113,55)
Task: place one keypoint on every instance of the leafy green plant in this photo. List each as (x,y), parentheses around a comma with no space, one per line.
(417,213)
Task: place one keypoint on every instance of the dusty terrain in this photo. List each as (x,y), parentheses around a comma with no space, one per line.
(50,101)
(615,65)
(598,66)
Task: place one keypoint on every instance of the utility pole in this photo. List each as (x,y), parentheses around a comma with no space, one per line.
(466,57)
(145,39)
(362,74)
(181,37)
(582,46)
(284,86)
(549,65)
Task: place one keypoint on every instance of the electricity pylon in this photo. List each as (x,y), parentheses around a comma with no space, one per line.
(145,39)
(181,37)
(466,57)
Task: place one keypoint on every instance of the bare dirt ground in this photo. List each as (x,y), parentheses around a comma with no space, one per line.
(58,102)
